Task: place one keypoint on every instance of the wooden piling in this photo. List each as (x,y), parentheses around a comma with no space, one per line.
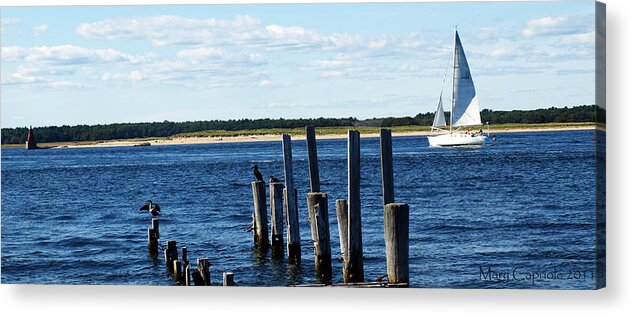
(203,268)
(185,267)
(354,265)
(276,214)
(153,242)
(387,178)
(184,256)
(198,280)
(341,208)
(178,275)
(291,204)
(155,225)
(187,275)
(396,232)
(228,279)
(317,204)
(170,254)
(314,174)
(261,238)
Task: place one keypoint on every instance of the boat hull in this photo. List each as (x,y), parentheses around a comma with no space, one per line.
(456,139)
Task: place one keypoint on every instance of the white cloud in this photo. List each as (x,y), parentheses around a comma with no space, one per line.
(543,26)
(242,31)
(583,38)
(71,54)
(11,53)
(10,20)
(34,76)
(39,29)
(200,53)
(501,53)
(166,30)
(136,76)
(265,83)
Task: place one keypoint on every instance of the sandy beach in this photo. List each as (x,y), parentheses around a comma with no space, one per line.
(277,137)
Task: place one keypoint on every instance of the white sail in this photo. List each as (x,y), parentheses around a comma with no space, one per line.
(439,116)
(465,109)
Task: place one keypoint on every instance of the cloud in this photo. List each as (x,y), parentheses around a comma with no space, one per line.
(10,20)
(11,53)
(70,55)
(200,53)
(582,38)
(39,29)
(501,53)
(242,31)
(543,26)
(34,76)
(130,76)
(166,29)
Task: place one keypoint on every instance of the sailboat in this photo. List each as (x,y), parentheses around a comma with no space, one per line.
(465,111)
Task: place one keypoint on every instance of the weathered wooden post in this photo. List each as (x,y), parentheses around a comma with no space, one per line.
(184,255)
(354,264)
(177,272)
(261,238)
(185,266)
(276,214)
(170,254)
(228,279)
(387,178)
(314,173)
(291,205)
(198,280)
(203,268)
(396,231)
(153,242)
(187,275)
(317,204)
(154,236)
(341,208)
(155,225)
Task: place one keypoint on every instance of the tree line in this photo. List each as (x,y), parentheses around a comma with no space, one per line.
(583,113)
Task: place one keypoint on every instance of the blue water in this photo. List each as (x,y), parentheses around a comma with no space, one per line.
(523,207)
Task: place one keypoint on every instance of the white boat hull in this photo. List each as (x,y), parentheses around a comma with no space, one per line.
(456,139)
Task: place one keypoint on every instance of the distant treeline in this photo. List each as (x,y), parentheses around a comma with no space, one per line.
(583,113)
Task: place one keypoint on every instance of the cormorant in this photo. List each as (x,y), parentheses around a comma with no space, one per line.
(273,179)
(258,174)
(154,209)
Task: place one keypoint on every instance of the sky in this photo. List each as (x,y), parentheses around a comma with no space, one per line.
(70,65)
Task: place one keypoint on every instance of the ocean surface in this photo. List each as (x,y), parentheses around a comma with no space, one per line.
(515,214)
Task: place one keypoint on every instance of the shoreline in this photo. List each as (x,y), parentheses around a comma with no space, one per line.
(277,137)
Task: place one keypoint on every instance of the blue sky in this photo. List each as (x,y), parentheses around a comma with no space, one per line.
(91,65)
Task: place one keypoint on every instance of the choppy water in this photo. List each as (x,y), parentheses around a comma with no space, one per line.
(524,206)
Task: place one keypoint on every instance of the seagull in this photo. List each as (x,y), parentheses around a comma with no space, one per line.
(273,179)
(154,209)
(258,174)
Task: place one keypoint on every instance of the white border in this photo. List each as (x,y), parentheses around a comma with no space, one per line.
(27,299)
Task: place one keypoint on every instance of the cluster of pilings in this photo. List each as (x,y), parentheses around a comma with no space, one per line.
(180,267)
(396,215)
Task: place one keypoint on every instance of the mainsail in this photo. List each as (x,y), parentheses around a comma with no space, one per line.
(465,110)
(439,116)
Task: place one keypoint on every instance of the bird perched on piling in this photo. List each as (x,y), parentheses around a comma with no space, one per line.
(258,174)
(154,209)
(273,179)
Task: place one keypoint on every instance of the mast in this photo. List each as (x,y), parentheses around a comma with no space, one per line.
(453,89)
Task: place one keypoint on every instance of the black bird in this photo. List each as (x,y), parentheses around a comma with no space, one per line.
(258,174)
(273,179)
(154,209)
